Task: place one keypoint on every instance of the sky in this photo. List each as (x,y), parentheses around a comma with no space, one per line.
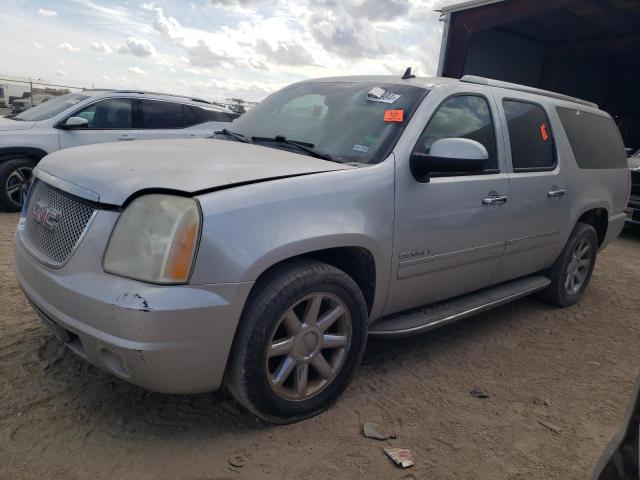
(215,49)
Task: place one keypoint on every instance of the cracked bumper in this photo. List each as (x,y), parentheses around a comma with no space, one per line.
(170,339)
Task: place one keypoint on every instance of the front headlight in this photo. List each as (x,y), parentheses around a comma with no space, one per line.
(155,239)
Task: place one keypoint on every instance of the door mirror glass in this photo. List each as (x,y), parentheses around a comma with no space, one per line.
(449,155)
(75,122)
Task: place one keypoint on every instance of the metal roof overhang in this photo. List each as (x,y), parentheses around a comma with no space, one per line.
(583,27)
(583,48)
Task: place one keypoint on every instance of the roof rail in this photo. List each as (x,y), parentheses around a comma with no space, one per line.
(142,92)
(524,88)
(194,99)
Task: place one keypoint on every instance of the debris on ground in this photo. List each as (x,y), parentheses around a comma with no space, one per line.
(371,430)
(237,461)
(550,426)
(479,393)
(541,401)
(402,456)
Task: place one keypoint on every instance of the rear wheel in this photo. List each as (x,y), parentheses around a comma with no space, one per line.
(301,339)
(571,272)
(15,178)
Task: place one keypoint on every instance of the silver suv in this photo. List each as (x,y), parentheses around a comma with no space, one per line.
(95,116)
(335,210)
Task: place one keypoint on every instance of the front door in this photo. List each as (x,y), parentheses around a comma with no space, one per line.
(110,120)
(450,232)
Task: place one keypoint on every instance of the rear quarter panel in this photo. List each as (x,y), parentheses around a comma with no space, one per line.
(589,188)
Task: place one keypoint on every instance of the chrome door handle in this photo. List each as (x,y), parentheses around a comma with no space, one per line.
(126,138)
(556,193)
(494,199)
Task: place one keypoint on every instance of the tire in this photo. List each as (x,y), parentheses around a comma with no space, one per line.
(15,178)
(270,342)
(562,292)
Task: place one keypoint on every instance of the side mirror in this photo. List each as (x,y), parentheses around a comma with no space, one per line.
(73,123)
(456,155)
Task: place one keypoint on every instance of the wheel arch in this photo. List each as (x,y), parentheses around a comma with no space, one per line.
(355,260)
(32,153)
(598,218)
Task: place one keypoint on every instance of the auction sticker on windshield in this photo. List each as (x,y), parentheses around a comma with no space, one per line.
(377,94)
(393,115)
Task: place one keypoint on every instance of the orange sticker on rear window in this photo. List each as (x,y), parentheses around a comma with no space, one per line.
(393,115)
(543,132)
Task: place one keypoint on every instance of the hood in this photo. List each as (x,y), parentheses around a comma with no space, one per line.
(115,171)
(9,124)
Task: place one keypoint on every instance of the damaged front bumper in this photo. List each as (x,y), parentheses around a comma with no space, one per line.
(170,339)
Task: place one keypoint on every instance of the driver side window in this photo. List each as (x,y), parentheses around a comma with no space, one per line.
(115,113)
(464,116)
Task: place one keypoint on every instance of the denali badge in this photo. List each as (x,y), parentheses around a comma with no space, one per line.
(45,215)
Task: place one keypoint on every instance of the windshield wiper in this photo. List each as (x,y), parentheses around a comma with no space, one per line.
(304,146)
(239,137)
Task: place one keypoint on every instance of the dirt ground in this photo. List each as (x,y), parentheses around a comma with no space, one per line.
(61,418)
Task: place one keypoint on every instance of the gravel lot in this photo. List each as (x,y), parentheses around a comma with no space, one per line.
(574,368)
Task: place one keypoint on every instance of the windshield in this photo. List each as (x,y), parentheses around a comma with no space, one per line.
(346,121)
(51,108)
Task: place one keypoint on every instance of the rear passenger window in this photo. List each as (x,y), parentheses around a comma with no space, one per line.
(594,139)
(209,115)
(532,146)
(156,114)
(190,117)
(464,116)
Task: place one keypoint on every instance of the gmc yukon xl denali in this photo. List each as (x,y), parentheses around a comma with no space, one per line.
(337,209)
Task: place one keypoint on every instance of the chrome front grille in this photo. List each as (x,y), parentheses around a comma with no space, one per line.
(54,223)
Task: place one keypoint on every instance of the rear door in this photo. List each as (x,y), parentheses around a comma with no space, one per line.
(162,119)
(210,120)
(539,205)
(165,119)
(110,120)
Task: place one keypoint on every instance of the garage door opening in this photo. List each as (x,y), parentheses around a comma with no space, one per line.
(588,49)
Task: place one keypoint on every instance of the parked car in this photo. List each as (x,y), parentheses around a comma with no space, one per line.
(19,105)
(8,92)
(334,210)
(95,116)
(634,200)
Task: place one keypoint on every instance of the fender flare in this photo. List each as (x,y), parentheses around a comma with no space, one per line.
(591,206)
(33,153)
(308,246)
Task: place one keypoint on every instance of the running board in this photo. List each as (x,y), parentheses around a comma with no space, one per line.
(423,319)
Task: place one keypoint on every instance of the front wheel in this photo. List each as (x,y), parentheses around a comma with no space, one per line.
(15,178)
(301,338)
(571,272)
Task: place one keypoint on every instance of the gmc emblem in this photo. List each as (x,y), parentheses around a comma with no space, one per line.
(45,215)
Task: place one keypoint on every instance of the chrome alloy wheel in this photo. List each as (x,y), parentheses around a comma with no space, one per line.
(308,346)
(578,267)
(17,185)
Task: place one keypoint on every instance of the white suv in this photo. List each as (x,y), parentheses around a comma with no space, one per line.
(95,116)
